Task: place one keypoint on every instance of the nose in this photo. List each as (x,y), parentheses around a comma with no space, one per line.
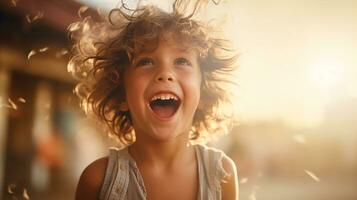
(164,75)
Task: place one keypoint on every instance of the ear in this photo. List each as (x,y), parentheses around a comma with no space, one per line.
(124,106)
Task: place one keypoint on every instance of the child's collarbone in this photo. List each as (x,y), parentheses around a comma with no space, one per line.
(182,184)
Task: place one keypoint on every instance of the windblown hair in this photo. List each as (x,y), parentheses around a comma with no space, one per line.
(103,49)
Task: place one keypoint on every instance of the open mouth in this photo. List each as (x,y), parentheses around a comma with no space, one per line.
(164,105)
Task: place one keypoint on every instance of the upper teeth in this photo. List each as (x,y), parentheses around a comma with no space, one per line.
(164,97)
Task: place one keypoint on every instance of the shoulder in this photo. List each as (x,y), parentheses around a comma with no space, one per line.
(229,183)
(226,173)
(209,151)
(91,180)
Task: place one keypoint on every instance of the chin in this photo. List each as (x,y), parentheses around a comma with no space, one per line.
(165,135)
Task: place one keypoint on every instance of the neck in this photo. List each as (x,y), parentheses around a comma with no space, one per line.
(161,154)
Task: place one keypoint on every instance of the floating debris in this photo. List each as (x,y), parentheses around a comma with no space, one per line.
(14,2)
(32,52)
(25,194)
(312,175)
(28,19)
(22,100)
(11,188)
(61,53)
(243,180)
(12,104)
(43,49)
(38,15)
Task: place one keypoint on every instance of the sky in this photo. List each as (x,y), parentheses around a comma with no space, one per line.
(296,57)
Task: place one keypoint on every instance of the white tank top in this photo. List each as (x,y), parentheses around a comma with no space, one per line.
(123,180)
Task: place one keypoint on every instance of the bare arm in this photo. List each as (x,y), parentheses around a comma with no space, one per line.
(91,180)
(229,185)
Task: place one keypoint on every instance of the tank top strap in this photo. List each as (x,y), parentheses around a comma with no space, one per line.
(210,171)
(116,178)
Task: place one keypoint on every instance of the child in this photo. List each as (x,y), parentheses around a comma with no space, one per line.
(155,78)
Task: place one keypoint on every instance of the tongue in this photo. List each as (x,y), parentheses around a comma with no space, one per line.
(164,111)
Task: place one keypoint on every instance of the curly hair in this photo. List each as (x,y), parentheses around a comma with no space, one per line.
(103,49)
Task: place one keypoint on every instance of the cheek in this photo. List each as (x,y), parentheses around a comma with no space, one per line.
(133,90)
(134,84)
(194,85)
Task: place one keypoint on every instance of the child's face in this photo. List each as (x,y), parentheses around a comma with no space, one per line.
(163,91)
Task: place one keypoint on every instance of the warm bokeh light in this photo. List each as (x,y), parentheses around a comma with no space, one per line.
(296,98)
(294,60)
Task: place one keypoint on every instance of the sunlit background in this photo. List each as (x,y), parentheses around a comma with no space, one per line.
(296,98)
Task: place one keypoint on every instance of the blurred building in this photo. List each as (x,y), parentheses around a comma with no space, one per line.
(39,115)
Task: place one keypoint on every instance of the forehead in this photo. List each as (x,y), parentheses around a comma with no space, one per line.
(169,40)
(177,45)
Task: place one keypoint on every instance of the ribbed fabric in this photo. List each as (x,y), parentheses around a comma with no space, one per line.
(123,180)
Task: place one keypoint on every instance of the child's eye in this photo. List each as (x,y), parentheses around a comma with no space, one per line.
(182,61)
(144,62)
